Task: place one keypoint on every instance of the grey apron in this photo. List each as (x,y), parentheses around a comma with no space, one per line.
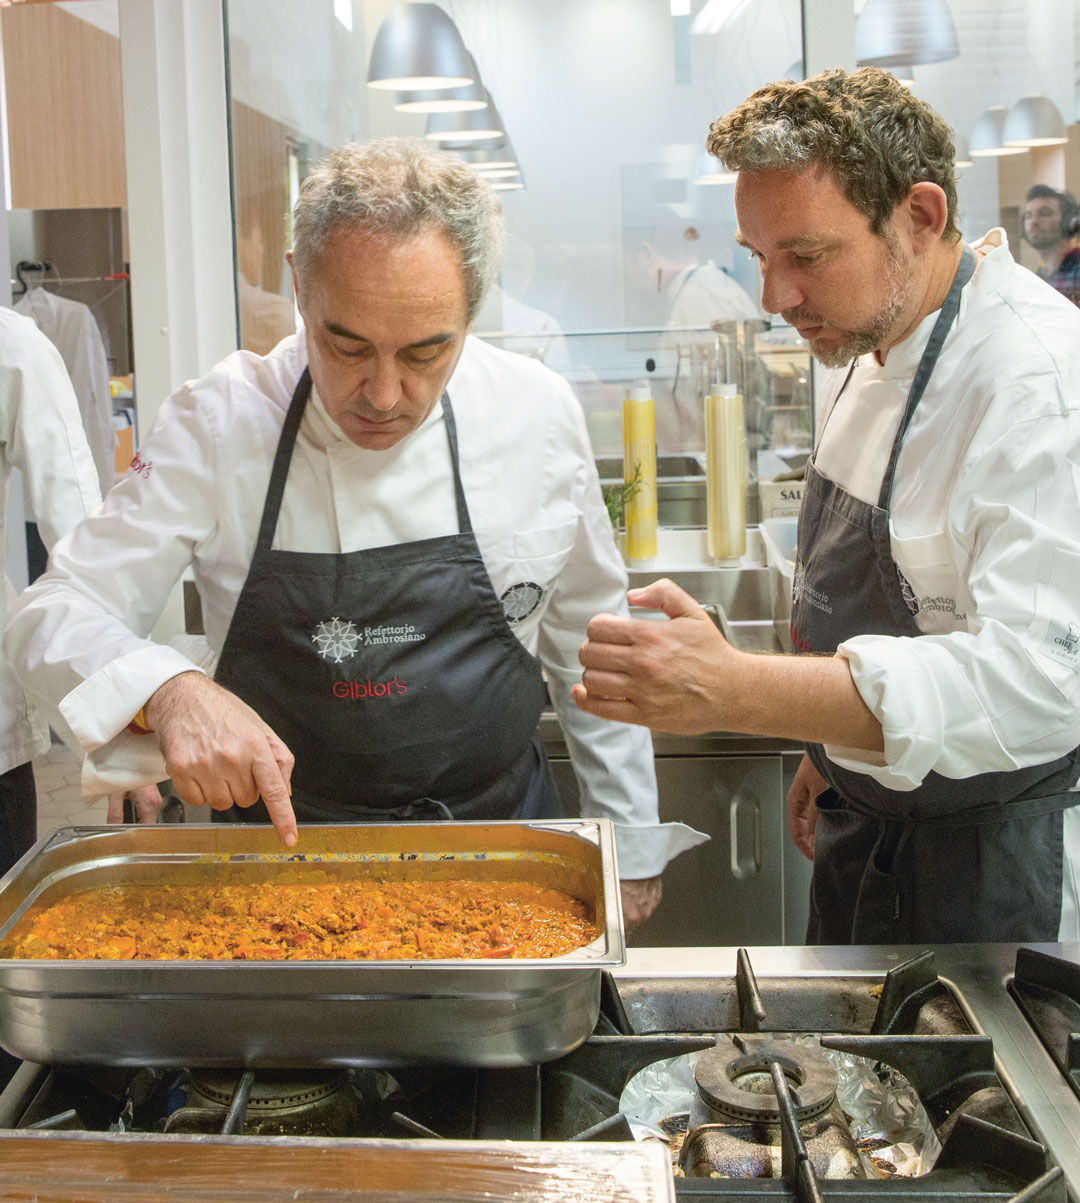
(967,860)
(392,673)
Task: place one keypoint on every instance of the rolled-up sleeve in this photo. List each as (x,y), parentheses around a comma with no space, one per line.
(1003,694)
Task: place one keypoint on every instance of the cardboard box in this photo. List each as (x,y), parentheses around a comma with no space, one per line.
(779,498)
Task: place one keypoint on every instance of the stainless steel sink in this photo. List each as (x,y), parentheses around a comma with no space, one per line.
(668,467)
(680,488)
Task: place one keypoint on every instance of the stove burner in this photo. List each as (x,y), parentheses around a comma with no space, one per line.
(272,1090)
(280,1102)
(734,1081)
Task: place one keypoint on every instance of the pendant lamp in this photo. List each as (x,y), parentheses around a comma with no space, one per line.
(496,157)
(448,100)
(963,155)
(987,138)
(1034,121)
(905,33)
(465,127)
(418,46)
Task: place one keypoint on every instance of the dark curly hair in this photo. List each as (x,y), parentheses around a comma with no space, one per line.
(875,137)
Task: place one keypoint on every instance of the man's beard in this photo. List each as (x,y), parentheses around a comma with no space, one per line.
(870,336)
(1043,242)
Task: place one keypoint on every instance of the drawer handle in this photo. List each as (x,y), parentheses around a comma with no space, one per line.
(745,818)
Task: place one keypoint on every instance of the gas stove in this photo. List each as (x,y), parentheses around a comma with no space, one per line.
(987,1036)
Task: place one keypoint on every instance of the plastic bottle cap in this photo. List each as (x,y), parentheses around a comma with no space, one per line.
(639,392)
(723,390)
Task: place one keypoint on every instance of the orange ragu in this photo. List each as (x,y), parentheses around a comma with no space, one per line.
(358,920)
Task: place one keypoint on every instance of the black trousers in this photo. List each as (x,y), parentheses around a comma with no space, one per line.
(18,814)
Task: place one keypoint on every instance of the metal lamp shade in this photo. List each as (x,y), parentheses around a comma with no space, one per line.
(903,33)
(963,155)
(418,47)
(988,136)
(465,127)
(1034,121)
(500,157)
(447,100)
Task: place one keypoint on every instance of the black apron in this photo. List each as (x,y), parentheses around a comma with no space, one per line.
(967,860)
(392,674)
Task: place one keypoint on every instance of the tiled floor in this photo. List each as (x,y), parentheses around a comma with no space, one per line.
(60,800)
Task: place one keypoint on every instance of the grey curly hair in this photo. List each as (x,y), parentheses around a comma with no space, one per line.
(867,128)
(401,187)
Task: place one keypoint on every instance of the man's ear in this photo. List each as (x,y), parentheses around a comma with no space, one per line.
(927,209)
(292,268)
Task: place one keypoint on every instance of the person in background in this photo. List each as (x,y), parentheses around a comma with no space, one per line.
(42,435)
(393,527)
(1051,224)
(937,581)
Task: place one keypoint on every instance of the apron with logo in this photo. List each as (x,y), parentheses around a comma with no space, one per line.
(973,859)
(392,674)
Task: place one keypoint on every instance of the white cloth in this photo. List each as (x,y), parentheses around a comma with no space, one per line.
(41,435)
(984,526)
(72,328)
(704,293)
(518,327)
(194,496)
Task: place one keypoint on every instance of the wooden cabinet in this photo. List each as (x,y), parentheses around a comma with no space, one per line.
(64,108)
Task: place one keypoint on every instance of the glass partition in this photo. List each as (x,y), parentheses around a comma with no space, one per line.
(621,264)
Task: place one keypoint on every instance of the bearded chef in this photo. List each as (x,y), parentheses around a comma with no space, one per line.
(392,526)
(937,584)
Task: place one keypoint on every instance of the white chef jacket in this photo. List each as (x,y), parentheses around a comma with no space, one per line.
(193,498)
(704,293)
(984,527)
(40,434)
(72,328)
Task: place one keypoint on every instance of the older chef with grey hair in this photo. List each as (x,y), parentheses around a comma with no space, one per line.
(393,528)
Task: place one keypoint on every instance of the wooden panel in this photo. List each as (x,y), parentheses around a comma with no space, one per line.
(65,116)
(81,1168)
(260,153)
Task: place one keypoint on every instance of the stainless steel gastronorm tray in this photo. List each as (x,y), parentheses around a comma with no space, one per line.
(309,1013)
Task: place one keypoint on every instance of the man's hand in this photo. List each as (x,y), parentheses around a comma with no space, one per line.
(664,675)
(218,751)
(146,800)
(639,899)
(802,811)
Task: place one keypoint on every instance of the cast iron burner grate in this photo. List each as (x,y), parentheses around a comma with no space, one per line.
(1047,990)
(914,1026)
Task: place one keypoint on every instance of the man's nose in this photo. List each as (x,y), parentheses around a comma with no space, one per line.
(382,388)
(779,290)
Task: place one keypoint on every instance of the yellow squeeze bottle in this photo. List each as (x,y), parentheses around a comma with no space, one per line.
(725,474)
(639,470)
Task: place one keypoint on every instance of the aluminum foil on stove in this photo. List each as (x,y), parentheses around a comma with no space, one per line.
(891,1128)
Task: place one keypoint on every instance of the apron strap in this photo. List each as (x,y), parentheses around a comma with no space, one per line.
(464,521)
(279,473)
(945,319)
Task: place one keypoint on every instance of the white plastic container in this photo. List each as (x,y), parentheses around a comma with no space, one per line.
(778,538)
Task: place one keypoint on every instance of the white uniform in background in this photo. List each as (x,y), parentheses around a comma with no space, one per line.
(72,328)
(194,497)
(703,293)
(40,434)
